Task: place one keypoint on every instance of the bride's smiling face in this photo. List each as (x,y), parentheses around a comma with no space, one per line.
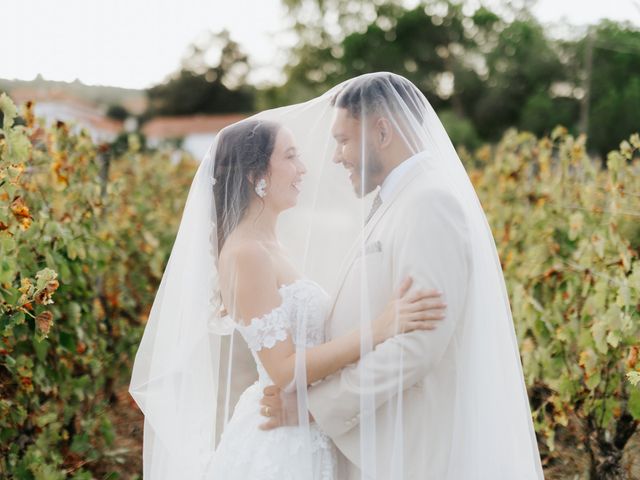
(285,172)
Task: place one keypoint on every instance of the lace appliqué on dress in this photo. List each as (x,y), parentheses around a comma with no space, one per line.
(265,331)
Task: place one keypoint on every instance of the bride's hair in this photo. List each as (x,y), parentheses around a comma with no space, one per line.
(242,157)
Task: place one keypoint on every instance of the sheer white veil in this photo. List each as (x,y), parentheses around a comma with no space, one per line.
(182,374)
(175,374)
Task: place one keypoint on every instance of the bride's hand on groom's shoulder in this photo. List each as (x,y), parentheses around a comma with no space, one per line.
(408,311)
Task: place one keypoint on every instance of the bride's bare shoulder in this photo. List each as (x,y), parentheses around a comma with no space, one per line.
(244,255)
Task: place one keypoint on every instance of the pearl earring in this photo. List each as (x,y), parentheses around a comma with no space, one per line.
(260,188)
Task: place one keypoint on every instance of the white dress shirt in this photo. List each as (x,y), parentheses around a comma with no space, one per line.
(394,176)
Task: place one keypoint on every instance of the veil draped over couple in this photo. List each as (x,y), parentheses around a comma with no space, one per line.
(341,244)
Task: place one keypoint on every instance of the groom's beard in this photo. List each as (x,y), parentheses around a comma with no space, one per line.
(367,177)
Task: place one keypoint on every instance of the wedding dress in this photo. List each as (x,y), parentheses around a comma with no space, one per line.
(245,451)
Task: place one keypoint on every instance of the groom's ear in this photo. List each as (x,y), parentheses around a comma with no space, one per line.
(383,132)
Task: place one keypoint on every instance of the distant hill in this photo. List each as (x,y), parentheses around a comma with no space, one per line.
(101,96)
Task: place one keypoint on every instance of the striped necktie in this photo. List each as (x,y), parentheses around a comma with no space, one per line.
(376,204)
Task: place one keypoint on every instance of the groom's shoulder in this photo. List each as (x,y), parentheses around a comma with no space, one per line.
(432,204)
(429,195)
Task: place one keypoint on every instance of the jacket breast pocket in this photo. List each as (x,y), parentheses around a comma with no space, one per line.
(372,274)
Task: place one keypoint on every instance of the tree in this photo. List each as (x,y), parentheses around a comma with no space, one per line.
(117,112)
(497,71)
(614,83)
(425,44)
(521,63)
(202,88)
(477,65)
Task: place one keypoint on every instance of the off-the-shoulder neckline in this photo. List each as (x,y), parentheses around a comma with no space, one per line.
(284,287)
(297,281)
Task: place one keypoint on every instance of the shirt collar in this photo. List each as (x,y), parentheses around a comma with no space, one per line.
(394,176)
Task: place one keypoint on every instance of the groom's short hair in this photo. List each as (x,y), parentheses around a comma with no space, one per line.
(377,92)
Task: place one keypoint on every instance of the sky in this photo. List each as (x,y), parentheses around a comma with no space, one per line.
(138,43)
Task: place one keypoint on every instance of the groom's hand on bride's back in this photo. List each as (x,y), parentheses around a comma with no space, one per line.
(279,408)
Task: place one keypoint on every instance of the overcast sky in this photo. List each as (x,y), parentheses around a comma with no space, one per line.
(137,43)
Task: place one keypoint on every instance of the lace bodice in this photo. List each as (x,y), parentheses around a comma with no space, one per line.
(301,316)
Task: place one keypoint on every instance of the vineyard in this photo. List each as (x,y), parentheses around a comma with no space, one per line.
(86,230)
(84,238)
(568,235)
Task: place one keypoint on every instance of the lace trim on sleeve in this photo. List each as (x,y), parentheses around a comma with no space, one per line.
(265,331)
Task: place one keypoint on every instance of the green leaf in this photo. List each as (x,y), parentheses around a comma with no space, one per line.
(46,419)
(18,318)
(41,348)
(634,403)
(593,381)
(9,110)
(599,332)
(68,341)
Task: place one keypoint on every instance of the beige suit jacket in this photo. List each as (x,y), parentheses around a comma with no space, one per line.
(420,230)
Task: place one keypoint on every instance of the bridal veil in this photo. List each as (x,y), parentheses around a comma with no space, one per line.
(190,366)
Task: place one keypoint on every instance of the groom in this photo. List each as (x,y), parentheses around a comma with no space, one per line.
(415,228)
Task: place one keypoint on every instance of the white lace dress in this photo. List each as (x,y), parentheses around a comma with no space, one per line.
(247,453)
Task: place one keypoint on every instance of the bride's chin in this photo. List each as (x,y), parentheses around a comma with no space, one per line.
(292,202)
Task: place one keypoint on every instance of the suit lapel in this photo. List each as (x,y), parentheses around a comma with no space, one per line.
(368,229)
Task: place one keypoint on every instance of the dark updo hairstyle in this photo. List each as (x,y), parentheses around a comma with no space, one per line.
(242,155)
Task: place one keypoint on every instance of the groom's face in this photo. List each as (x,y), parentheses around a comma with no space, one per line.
(348,132)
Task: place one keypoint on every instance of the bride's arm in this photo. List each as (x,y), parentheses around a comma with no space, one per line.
(258,297)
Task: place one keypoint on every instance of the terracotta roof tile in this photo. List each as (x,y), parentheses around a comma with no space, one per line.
(175,127)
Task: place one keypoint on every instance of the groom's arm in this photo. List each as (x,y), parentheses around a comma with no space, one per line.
(434,250)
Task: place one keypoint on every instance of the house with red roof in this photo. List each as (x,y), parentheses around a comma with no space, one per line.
(196,132)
